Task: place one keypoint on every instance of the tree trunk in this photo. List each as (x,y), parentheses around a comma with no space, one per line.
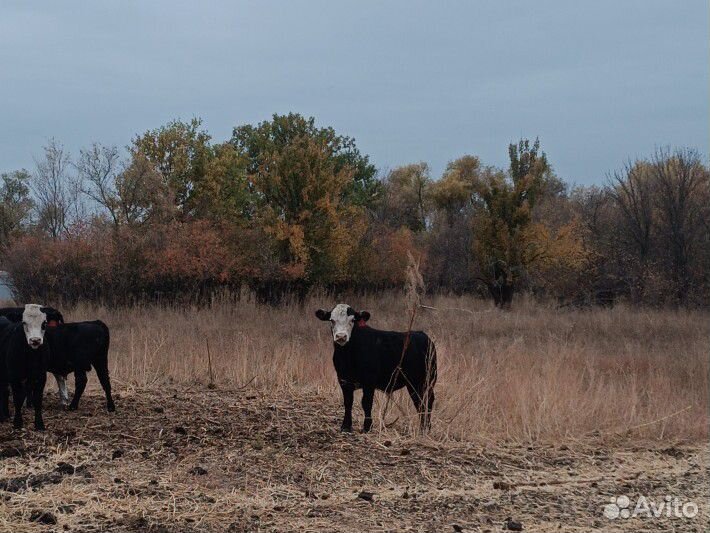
(502,294)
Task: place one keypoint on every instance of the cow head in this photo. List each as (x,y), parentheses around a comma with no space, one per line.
(342,319)
(34,322)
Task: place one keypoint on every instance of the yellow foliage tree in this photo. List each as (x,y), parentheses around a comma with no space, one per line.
(507,243)
(301,195)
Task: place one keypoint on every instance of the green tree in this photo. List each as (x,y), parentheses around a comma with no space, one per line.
(15,204)
(307,186)
(273,136)
(224,194)
(180,151)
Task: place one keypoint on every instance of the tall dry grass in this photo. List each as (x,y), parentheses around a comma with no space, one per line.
(534,373)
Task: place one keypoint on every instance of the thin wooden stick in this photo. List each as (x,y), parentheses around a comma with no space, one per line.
(658,419)
(432,308)
(209,363)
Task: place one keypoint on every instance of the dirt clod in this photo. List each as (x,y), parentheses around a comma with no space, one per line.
(512,525)
(43,517)
(13,448)
(502,485)
(65,468)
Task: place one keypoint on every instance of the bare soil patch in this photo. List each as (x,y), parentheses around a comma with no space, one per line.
(175,459)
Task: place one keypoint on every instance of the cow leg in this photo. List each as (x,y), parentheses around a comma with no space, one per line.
(416,397)
(62,388)
(28,397)
(102,374)
(347,425)
(425,419)
(37,393)
(4,402)
(18,398)
(423,402)
(79,386)
(368,395)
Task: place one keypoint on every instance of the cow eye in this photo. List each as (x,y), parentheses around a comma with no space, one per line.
(44,325)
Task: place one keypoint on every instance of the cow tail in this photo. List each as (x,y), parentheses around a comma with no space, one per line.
(105,347)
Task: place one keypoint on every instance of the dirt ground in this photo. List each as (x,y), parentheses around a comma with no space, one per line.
(214,460)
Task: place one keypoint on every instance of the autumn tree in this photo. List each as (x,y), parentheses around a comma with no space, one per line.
(406,197)
(141,196)
(449,261)
(453,191)
(507,243)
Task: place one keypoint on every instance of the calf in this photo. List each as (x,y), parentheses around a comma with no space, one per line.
(24,359)
(74,347)
(368,359)
(77,347)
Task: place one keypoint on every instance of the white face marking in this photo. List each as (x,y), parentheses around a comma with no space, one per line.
(341,324)
(34,321)
(63,392)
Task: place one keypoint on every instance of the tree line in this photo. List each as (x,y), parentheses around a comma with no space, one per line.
(285,205)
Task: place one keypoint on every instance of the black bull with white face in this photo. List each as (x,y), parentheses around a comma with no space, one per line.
(369,359)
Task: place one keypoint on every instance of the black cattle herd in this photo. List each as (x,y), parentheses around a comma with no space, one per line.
(35,340)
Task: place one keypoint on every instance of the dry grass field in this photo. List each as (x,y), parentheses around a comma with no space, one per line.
(542,415)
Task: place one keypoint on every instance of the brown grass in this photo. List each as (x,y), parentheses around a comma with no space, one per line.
(532,374)
(626,390)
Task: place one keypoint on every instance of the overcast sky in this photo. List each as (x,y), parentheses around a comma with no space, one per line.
(597,81)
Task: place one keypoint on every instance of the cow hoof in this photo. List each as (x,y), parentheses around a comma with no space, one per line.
(39,427)
(110,408)
(346,429)
(17,425)
(367,425)
(71,407)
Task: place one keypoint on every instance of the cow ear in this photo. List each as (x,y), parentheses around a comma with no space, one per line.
(323,315)
(364,316)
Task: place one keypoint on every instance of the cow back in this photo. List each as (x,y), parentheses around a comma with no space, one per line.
(371,359)
(78,345)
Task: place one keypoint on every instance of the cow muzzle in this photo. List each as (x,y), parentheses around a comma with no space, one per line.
(341,339)
(34,342)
